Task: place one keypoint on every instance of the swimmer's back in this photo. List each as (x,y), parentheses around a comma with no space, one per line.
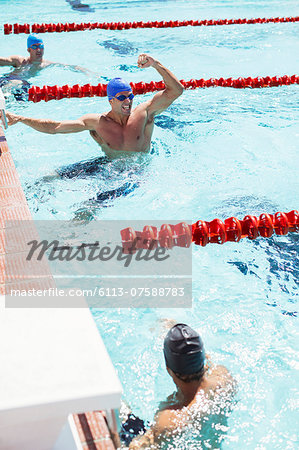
(217,385)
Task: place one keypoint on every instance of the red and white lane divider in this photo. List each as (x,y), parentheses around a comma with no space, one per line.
(47,93)
(66,27)
(214,232)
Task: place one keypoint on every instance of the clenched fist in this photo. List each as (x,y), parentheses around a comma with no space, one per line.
(145,60)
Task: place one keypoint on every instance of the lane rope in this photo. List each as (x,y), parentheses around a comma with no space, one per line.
(47,93)
(214,232)
(26,28)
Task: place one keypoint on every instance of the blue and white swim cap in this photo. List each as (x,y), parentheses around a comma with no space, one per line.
(117,85)
(33,39)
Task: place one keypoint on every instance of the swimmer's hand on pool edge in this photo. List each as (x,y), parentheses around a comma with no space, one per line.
(12,119)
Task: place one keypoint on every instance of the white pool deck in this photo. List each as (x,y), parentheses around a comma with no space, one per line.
(53,362)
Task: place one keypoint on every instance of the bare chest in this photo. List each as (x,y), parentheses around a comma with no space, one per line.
(133,136)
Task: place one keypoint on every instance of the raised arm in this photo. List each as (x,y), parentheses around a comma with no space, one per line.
(87,122)
(173,88)
(14,61)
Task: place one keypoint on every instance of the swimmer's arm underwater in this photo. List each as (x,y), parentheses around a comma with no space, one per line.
(87,122)
(173,88)
(144,441)
(14,61)
(74,68)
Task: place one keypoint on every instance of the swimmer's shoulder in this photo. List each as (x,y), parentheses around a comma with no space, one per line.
(141,107)
(93,117)
(97,122)
(167,420)
(141,110)
(45,63)
(103,120)
(17,60)
(219,378)
(104,117)
(168,414)
(170,401)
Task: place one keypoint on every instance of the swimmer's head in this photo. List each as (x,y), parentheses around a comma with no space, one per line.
(117,85)
(35,47)
(184,351)
(33,41)
(120,96)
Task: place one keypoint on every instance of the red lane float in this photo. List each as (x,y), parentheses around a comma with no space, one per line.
(46,93)
(66,27)
(214,232)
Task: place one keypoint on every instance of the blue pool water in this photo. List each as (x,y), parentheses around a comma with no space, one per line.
(217,153)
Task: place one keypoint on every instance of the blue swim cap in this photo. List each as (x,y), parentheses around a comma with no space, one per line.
(117,85)
(183,350)
(33,39)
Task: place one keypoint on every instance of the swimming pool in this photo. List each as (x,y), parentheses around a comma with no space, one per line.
(217,153)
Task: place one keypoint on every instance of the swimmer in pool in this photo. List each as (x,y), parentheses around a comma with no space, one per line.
(199,387)
(24,68)
(34,62)
(122,130)
(27,67)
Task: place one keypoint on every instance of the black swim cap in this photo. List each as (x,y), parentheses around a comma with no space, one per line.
(183,350)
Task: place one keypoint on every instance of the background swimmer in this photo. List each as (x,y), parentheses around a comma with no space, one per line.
(16,81)
(78,6)
(35,48)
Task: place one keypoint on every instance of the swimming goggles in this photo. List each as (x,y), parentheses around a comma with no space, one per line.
(36,46)
(122,97)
